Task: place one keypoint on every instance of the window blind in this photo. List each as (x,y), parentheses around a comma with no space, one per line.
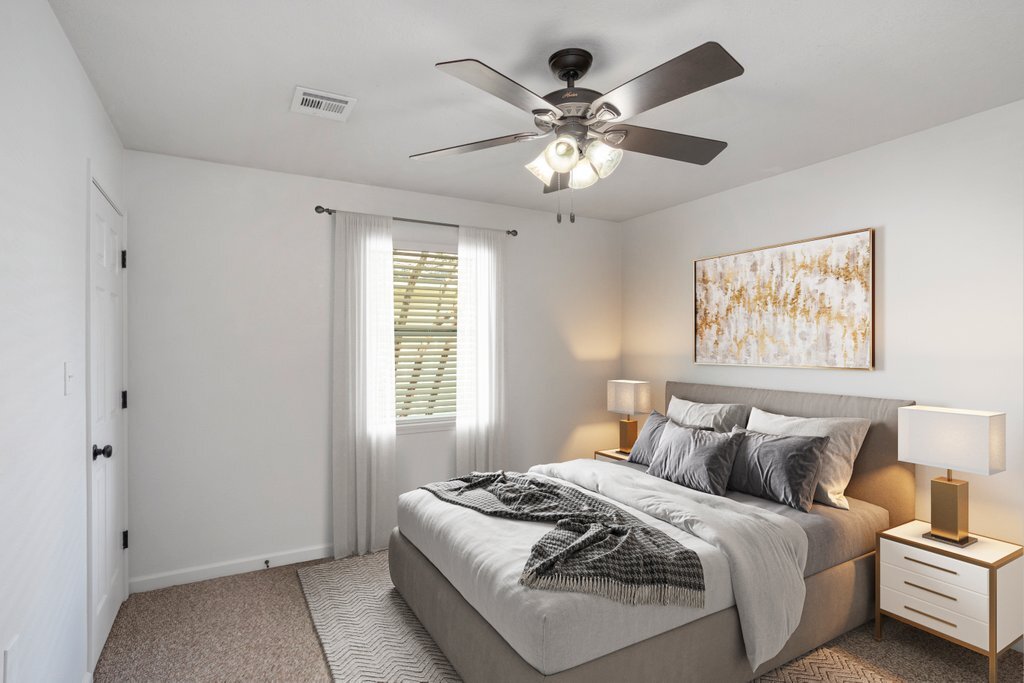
(426,299)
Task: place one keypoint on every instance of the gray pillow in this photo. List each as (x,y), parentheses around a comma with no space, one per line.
(845,436)
(648,439)
(779,468)
(721,417)
(696,458)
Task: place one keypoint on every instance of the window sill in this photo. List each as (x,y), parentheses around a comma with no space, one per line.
(425,424)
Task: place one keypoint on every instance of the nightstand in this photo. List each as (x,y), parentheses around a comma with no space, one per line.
(970,596)
(612,455)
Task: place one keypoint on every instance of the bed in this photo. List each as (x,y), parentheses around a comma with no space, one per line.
(452,567)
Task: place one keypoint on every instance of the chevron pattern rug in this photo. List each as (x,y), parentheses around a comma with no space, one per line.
(367,631)
(369,634)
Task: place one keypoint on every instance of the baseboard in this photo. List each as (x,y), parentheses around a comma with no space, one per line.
(87,678)
(140,584)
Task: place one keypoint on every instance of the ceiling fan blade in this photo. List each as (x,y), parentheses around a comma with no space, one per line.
(691,71)
(478,74)
(661,143)
(559,182)
(480,144)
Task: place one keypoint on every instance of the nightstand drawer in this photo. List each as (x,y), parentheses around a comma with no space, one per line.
(940,593)
(935,566)
(936,618)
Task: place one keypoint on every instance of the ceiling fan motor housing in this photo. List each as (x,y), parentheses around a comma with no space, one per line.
(572,101)
(570,65)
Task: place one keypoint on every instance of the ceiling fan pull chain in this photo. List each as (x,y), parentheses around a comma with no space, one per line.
(558,216)
(572,205)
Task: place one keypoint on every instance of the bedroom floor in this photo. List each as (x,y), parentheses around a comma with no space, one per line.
(252,627)
(256,626)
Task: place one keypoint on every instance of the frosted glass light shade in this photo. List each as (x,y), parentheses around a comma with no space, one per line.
(582,175)
(963,440)
(562,154)
(604,157)
(540,168)
(629,397)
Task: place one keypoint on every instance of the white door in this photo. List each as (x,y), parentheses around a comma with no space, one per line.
(105,449)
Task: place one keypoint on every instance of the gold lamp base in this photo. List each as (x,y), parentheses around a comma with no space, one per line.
(627,435)
(949,511)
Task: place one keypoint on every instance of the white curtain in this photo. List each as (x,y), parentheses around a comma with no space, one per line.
(480,383)
(363,402)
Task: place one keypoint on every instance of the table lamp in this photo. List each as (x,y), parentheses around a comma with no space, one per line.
(628,397)
(964,440)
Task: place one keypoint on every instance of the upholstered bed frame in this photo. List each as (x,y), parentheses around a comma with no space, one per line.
(709,649)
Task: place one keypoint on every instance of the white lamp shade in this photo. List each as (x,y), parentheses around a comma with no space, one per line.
(540,168)
(964,440)
(604,157)
(629,397)
(583,175)
(562,154)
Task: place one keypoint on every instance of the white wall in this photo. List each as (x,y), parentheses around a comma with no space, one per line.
(229,296)
(948,205)
(51,122)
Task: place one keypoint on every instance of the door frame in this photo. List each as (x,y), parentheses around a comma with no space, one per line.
(94,181)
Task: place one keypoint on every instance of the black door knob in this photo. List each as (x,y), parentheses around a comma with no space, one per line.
(107,451)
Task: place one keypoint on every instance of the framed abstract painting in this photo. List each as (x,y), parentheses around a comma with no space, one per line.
(806,304)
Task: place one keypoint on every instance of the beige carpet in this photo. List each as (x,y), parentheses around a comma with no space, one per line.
(248,627)
(257,627)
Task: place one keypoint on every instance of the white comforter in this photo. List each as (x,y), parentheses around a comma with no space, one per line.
(766,551)
(751,558)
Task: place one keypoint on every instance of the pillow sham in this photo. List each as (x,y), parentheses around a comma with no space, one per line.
(845,437)
(721,417)
(648,439)
(777,467)
(696,458)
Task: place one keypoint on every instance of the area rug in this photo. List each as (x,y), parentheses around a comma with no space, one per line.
(367,631)
(369,634)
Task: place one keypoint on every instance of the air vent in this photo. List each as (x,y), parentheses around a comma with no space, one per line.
(327,105)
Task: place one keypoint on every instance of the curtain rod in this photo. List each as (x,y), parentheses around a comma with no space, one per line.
(331,212)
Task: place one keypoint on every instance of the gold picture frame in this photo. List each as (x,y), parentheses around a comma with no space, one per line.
(803,304)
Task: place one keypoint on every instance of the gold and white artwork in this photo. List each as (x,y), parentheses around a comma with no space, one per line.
(805,304)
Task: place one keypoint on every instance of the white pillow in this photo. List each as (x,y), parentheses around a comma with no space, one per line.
(845,436)
(721,417)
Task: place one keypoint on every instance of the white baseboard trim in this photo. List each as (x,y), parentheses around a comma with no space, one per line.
(87,678)
(140,584)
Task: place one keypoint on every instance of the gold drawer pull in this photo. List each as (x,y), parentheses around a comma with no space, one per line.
(925,614)
(941,595)
(933,566)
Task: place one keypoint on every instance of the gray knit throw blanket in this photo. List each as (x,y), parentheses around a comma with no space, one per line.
(594,548)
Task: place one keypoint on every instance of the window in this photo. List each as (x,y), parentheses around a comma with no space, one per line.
(426,297)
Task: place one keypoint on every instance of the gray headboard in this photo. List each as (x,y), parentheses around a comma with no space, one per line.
(878,477)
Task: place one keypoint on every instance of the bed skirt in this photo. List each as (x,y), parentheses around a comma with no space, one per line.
(711,648)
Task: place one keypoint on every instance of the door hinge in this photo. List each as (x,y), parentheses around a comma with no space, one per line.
(124,399)
(124,540)
(124,258)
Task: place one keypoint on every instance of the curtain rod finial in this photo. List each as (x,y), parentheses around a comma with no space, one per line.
(513,233)
(321,209)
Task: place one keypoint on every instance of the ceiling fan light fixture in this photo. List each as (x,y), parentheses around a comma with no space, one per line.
(604,157)
(541,168)
(562,154)
(583,175)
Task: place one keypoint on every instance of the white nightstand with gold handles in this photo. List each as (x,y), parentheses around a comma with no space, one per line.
(971,596)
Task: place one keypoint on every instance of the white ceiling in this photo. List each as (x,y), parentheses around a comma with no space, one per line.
(213,79)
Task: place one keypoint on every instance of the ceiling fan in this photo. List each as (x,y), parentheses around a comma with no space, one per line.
(590,135)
